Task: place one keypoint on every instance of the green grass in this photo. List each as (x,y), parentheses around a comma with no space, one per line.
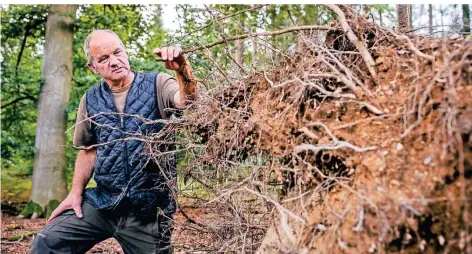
(194,189)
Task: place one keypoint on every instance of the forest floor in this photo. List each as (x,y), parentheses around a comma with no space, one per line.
(18,234)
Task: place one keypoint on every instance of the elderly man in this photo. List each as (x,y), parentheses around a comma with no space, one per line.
(133,201)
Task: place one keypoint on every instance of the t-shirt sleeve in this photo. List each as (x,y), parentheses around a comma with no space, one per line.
(167,86)
(83,135)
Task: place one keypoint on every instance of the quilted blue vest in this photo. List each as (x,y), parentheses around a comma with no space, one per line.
(124,171)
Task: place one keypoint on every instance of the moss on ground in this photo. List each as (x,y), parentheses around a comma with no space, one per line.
(30,209)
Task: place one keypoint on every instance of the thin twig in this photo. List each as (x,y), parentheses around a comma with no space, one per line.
(337,144)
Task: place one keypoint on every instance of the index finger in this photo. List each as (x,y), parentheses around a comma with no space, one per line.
(177,52)
(157,51)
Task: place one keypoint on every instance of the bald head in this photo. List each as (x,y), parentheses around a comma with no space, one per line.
(97,36)
(107,57)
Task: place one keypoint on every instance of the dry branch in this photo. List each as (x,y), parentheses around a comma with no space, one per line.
(261,34)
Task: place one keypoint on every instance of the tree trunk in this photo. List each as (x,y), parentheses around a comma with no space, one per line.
(430,11)
(410,16)
(441,10)
(49,160)
(380,17)
(254,51)
(403,17)
(239,52)
(466,18)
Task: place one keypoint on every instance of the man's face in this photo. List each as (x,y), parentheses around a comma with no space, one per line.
(109,58)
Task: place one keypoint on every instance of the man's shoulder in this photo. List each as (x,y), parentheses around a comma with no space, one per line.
(164,75)
(92,93)
(152,73)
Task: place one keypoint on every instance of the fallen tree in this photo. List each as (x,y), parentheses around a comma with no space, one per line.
(359,144)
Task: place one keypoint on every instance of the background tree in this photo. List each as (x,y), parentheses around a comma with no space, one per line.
(430,18)
(466,18)
(403,16)
(410,16)
(49,163)
(21,58)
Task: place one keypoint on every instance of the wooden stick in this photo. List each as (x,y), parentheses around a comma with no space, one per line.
(261,34)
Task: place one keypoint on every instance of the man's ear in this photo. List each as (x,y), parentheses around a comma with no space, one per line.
(92,68)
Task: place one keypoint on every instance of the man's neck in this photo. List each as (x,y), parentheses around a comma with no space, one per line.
(117,84)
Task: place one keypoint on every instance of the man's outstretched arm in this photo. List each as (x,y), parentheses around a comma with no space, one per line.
(174,60)
(188,89)
(82,174)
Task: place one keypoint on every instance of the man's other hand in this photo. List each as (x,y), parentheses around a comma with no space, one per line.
(172,57)
(72,201)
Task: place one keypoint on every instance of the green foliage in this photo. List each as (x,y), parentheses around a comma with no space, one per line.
(15,187)
(189,191)
(31,208)
(22,33)
(140,27)
(381,12)
(21,83)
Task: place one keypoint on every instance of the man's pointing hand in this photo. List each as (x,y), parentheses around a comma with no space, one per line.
(172,57)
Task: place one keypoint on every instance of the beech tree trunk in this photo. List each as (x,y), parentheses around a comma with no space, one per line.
(403,17)
(239,52)
(410,16)
(380,17)
(49,160)
(466,18)
(430,12)
(254,52)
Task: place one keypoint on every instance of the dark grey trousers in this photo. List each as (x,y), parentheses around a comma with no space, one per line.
(69,234)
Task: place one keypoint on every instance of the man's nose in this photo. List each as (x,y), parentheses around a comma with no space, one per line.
(114,61)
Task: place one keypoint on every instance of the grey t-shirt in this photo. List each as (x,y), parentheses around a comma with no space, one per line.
(166,85)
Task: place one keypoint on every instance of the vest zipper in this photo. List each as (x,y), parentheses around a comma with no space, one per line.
(125,152)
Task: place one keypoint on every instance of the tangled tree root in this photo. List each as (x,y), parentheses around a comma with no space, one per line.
(334,154)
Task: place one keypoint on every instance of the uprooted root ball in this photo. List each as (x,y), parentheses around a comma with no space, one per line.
(359,164)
